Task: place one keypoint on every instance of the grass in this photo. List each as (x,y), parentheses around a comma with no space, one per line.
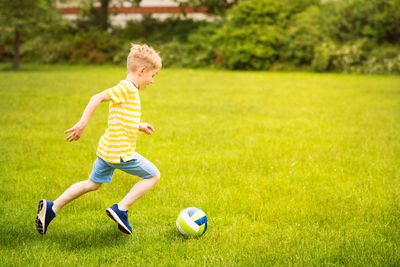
(290,168)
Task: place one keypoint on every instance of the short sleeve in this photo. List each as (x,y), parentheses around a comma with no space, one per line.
(119,94)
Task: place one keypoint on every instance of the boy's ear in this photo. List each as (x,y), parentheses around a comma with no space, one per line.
(141,70)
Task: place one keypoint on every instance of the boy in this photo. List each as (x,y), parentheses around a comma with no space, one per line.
(116,149)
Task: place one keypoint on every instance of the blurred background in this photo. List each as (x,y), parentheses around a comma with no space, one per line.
(360,36)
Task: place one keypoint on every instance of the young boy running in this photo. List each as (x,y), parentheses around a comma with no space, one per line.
(116,149)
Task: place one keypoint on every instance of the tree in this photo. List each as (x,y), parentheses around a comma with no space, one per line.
(23,16)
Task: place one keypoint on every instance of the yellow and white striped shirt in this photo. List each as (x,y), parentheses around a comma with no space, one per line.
(119,140)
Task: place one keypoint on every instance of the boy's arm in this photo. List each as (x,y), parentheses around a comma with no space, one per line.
(77,130)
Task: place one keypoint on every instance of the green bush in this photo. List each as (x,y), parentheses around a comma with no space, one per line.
(377,20)
(88,47)
(199,50)
(174,54)
(384,59)
(356,29)
(154,30)
(349,57)
(303,35)
(202,47)
(256,12)
(257,34)
(250,38)
(250,47)
(357,57)
(323,56)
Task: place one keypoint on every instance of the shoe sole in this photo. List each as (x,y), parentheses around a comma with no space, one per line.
(41,217)
(115,217)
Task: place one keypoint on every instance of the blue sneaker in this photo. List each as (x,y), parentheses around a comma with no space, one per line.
(121,217)
(45,215)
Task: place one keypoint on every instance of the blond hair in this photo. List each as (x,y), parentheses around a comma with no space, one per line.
(143,55)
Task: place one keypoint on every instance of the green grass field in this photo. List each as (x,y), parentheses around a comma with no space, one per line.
(290,168)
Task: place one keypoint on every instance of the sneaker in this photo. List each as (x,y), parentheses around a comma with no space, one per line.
(45,215)
(120,217)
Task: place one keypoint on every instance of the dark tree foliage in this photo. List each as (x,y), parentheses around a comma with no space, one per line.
(24,16)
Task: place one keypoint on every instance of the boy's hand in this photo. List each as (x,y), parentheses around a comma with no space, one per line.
(76,132)
(146,128)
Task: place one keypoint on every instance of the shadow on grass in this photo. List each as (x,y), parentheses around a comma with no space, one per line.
(175,236)
(68,239)
(74,238)
(10,68)
(94,238)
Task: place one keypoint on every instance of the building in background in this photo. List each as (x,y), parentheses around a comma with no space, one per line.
(121,12)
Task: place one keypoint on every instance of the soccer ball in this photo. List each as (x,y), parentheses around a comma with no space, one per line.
(192,222)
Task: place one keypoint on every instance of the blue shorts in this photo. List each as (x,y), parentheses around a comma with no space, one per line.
(103,171)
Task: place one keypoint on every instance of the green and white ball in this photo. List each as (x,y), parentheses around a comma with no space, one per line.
(192,222)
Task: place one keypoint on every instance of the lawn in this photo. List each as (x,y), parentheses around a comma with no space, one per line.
(290,168)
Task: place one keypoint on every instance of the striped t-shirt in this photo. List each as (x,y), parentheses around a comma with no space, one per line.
(119,140)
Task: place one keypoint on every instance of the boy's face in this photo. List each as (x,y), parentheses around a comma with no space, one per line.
(146,77)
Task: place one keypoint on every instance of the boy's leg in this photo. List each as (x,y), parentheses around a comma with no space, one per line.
(102,172)
(137,191)
(143,168)
(47,209)
(73,192)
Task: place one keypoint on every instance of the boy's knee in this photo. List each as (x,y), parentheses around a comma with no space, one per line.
(156,177)
(90,185)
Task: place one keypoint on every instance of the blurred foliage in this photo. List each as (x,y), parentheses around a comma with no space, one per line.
(341,36)
(249,47)
(255,33)
(26,15)
(151,29)
(19,20)
(377,20)
(214,6)
(323,54)
(89,47)
(331,36)
(302,35)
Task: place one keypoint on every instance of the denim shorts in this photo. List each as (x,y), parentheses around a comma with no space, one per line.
(103,171)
